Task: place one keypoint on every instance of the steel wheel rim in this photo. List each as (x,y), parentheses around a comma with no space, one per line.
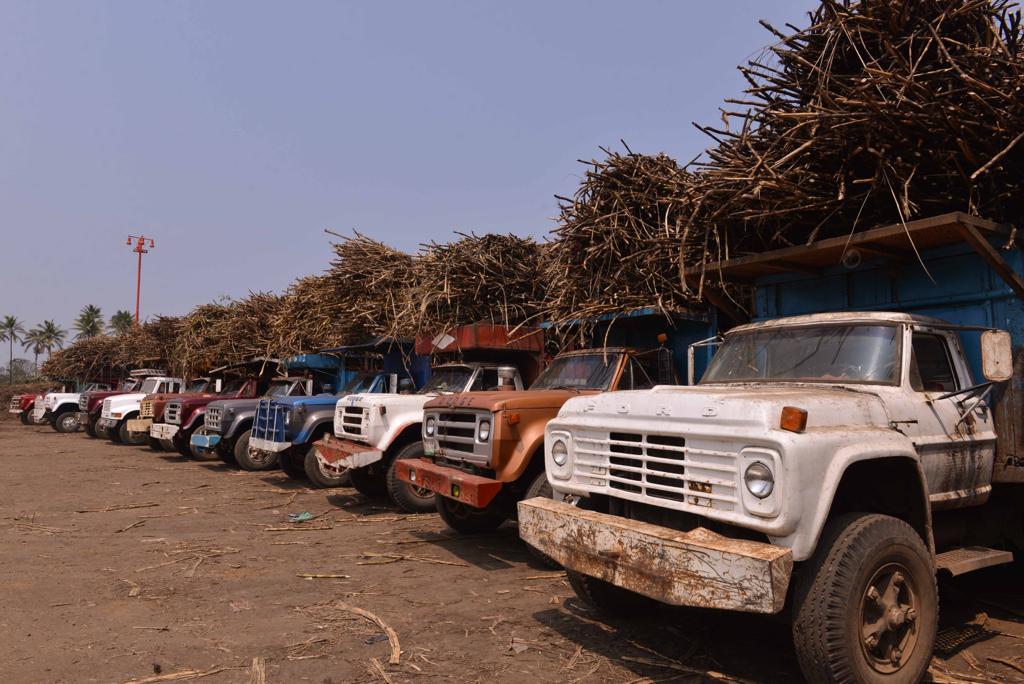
(888,618)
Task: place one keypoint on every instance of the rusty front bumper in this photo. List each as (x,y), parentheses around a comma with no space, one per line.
(338,455)
(696,568)
(139,425)
(472,490)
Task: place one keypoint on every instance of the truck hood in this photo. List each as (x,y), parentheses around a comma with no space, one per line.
(96,398)
(121,401)
(58,398)
(411,401)
(234,404)
(738,406)
(501,401)
(317,401)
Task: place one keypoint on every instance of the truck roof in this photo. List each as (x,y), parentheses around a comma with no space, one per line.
(841,317)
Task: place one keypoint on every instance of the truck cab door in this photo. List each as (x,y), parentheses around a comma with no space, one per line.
(956,446)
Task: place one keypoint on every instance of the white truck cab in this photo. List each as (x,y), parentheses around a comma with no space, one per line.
(120,408)
(369,428)
(60,408)
(857,440)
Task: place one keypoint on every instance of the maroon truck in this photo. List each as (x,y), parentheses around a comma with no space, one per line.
(22,405)
(185,414)
(90,405)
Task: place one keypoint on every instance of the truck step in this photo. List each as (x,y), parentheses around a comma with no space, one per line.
(970,558)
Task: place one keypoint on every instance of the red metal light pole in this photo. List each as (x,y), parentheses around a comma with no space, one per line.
(140,249)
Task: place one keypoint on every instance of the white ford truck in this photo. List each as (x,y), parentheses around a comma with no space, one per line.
(120,408)
(60,409)
(372,431)
(832,462)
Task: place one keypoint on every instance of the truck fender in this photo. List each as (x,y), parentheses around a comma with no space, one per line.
(64,408)
(239,425)
(199,413)
(314,427)
(884,464)
(529,447)
(398,433)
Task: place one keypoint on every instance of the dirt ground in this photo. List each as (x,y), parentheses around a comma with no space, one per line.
(119,564)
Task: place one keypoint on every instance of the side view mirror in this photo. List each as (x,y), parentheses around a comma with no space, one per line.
(996,355)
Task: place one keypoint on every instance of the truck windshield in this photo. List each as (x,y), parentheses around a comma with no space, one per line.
(286,388)
(198,386)
(233,386)
(359,384)
(448,379)
(579,372)
(832,353)
(129,385)
(149,385)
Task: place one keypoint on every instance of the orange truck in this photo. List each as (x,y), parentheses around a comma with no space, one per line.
(484,451)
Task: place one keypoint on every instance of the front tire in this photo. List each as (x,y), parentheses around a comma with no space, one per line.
(90,429)
(866,604)
(253,461)
(607,598)
(468,520)
(540,487)
(407,497)
(154,444)
(369,481)
(293,465)
(320,477)
(66,422)
(26,417)
(133,438)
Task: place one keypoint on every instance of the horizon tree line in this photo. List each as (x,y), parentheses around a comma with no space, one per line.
(48,335)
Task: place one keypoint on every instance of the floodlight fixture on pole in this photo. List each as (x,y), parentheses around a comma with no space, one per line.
(140,249)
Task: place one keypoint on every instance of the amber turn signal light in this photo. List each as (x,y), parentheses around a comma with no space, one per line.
(793,419)
(512,418)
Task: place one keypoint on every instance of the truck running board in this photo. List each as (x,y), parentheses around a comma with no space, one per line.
(970,558)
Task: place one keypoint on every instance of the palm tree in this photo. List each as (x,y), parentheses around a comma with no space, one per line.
(121,322)
(44,337)
(33,341)
(89,322)
(11,330)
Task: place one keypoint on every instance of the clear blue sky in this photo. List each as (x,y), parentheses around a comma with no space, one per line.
(234,132)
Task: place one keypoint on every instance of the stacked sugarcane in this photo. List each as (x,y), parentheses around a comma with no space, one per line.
(227,332)
(371,288)
(877,112)
(87,358)
(310,317)
(477,278)
(621,240)
(149,344)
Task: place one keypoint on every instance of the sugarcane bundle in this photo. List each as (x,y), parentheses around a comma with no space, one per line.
(311,317)
(195,350)
(86,358)
(622,240)
(875,113)
(477,278)
(148,343)
(371,283)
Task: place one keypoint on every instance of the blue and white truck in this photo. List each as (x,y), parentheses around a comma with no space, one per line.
(285,428)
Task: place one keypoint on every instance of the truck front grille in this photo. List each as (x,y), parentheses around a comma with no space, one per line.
(456,433)
(172,413)
(351,423)
(146,409)
(83,403)
(106,408)
(645,466)
(270,422)
(212,419)
(15,404)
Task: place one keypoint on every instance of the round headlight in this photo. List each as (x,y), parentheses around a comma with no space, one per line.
(560,453)
(431,426)
(759,480)
(483,432)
